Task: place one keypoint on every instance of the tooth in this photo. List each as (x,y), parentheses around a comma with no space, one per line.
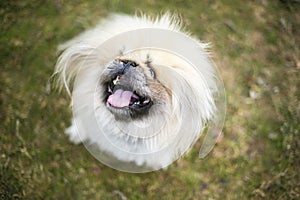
(116,80)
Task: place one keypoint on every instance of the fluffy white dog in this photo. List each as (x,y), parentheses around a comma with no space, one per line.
(142,90)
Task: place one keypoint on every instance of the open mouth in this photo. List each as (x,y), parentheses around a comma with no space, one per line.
(123,97)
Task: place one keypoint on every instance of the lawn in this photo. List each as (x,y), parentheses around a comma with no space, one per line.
(256,46)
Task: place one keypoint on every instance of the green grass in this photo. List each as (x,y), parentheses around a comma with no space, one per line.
(256,48)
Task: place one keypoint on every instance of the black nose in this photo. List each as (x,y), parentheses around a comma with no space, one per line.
(127,65)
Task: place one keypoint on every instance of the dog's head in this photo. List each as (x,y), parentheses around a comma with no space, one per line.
(131,88)
(141,91)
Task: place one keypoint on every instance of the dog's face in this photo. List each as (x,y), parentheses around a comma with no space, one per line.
(131,89)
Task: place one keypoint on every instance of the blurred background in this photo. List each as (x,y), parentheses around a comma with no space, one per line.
(256,46)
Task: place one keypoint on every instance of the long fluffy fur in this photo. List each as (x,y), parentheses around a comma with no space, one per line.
(193,103)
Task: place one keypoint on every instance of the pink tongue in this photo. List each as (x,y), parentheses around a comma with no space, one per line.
(120,98)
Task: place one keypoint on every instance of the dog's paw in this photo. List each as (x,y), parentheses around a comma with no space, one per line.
(74,135)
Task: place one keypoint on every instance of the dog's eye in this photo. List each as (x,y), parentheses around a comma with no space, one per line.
(129,63)
(152,73)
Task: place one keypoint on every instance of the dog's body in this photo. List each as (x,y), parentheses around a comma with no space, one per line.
(143,106)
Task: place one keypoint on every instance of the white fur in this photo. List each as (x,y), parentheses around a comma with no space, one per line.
(192,103)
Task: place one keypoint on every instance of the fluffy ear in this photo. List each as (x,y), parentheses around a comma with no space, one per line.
(69,63)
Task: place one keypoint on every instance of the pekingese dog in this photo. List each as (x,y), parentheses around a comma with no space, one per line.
(142,90)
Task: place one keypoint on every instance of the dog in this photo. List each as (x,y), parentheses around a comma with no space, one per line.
(142,90)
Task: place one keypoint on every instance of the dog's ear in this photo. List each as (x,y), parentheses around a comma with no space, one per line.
(69,63)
